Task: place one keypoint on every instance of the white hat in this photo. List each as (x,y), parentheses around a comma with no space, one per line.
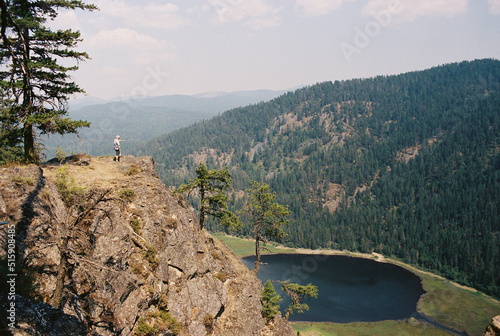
(118,137)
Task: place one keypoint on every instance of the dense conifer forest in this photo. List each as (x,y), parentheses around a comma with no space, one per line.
(407,165)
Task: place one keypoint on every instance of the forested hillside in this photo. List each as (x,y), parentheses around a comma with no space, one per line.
(407,165)
(142,119)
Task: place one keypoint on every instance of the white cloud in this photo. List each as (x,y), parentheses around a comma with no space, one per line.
(409,10)
(261,23)
(494,7)
(318,7)
(257,14)
(144,15)
(111,71)
(65,20)
(119,37)
(124,43)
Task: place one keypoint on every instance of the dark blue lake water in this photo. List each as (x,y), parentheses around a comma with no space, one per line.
(350,289)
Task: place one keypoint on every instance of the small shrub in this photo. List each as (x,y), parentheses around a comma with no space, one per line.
(163,302)
(135,223)
(46,195)
(216,255)
(208,322)
(127,193)
(67,188)
(137,269)
(157,323)
(133,170)
(144,329)
(221,276)
(151,256)
(79,156)
(170,322)
(172,222)
(60,155)
(270,301)
(21,180)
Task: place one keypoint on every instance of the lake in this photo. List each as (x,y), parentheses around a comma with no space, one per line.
(350,289)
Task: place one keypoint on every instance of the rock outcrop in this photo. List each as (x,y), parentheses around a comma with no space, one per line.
(494,328)
(133,257)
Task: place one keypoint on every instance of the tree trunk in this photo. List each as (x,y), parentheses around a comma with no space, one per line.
(257,254)
(29,144)
(29,140)
(202,208)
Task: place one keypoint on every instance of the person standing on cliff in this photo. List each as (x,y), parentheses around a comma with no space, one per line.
(118,150)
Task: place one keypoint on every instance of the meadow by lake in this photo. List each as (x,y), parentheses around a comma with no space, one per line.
(459,308)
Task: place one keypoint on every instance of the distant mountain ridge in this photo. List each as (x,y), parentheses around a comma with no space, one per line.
(137,120)
(188,102)
(407,165)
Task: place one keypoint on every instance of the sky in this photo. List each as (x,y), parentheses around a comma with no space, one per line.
(153,47)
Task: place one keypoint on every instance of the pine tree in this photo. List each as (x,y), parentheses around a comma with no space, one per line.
(38,86)
(298,294)
(212,185)
(270,301)
(267,217)
(10,133)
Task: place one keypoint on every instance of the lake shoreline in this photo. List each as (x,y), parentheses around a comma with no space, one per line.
(450,304)
(372,256)
(352,288)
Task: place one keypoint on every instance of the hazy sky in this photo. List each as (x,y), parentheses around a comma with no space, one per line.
(187,47)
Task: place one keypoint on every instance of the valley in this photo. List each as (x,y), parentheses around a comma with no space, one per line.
(406,166)
(445,302)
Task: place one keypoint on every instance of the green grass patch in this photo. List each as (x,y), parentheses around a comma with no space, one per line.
(411,327)
(127,194)
(243,247)
(456,307)
(21,180)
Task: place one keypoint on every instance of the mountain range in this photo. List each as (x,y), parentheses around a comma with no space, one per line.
(139,119)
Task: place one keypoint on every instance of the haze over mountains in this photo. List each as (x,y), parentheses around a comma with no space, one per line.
(138,120)
(407,165)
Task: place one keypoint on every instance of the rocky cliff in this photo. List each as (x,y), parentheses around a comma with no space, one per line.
(111,246)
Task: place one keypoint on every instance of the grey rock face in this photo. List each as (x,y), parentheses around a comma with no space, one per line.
(137,260)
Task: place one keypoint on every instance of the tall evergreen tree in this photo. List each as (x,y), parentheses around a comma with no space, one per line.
(36,83)
(267,217)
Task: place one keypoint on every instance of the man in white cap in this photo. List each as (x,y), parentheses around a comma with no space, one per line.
(118,151)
